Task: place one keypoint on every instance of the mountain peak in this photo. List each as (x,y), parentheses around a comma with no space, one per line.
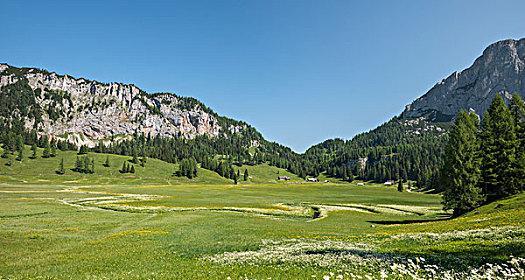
(499,70)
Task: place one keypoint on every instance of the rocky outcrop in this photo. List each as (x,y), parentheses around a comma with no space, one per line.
(500,70)
(86,112)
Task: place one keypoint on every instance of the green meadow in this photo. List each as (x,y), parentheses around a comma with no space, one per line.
(153,225)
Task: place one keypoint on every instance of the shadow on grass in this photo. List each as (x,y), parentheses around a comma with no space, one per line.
(442,217)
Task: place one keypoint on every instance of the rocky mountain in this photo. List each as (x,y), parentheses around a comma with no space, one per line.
(85,112)
(500,69)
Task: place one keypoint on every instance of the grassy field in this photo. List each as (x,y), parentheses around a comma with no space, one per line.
(152,225)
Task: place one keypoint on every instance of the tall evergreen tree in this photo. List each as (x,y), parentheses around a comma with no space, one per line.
(499,145)
(400,185)
(106,163)
(83,150)
(61,170)
(92,166)
(246,176)
(517,109)
(9,161)
(5,152)
(20,155)
(53,152)
(78,165)
(124,167)
(135,158)
(461,170)
(86,166)
(34,150)
(47,150)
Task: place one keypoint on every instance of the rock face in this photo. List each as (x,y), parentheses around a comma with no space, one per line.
(500,70)
(86,112)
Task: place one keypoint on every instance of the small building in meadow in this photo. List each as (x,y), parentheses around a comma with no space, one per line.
(312,179)
(283,178)
(389,183)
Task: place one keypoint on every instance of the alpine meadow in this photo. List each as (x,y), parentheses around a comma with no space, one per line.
(108,180)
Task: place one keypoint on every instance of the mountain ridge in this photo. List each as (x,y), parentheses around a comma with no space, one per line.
(115,109)
(499,70)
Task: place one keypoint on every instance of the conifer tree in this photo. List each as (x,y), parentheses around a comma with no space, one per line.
(53,152)
(124,168)
(499,145)
(5,152)
(78,165)
(34,150)
(19,143)
(9,160)
(60,170)
(517,109)
(83,150)
(86,167)
(461,169)
(246,176)
(400,185)
(106,163)
(135,158)
(20,155)
(47,150)
(132,169)
(92,166)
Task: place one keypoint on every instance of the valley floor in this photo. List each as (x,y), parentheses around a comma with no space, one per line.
(122,227)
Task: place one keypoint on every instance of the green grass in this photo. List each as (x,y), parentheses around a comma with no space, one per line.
(43,237)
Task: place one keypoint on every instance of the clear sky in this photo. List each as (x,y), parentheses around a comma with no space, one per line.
(299,71)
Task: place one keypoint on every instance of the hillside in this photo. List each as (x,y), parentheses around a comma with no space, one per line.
(41,171)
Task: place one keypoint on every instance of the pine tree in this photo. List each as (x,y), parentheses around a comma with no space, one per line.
(53,152)
(20,155)
(60,170)
(9,161)
(83,150)
(132,169)
(461,170)
(400,185)
(5,152)
(517,109)
(499,145)
(34,150)
(135,158)
(86,166)
(124,168)
(78,165)
(19,143)
(246,176)
(106,163)
(47,150)
(92,166)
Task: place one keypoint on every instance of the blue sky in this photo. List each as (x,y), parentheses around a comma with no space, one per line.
(299,71)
